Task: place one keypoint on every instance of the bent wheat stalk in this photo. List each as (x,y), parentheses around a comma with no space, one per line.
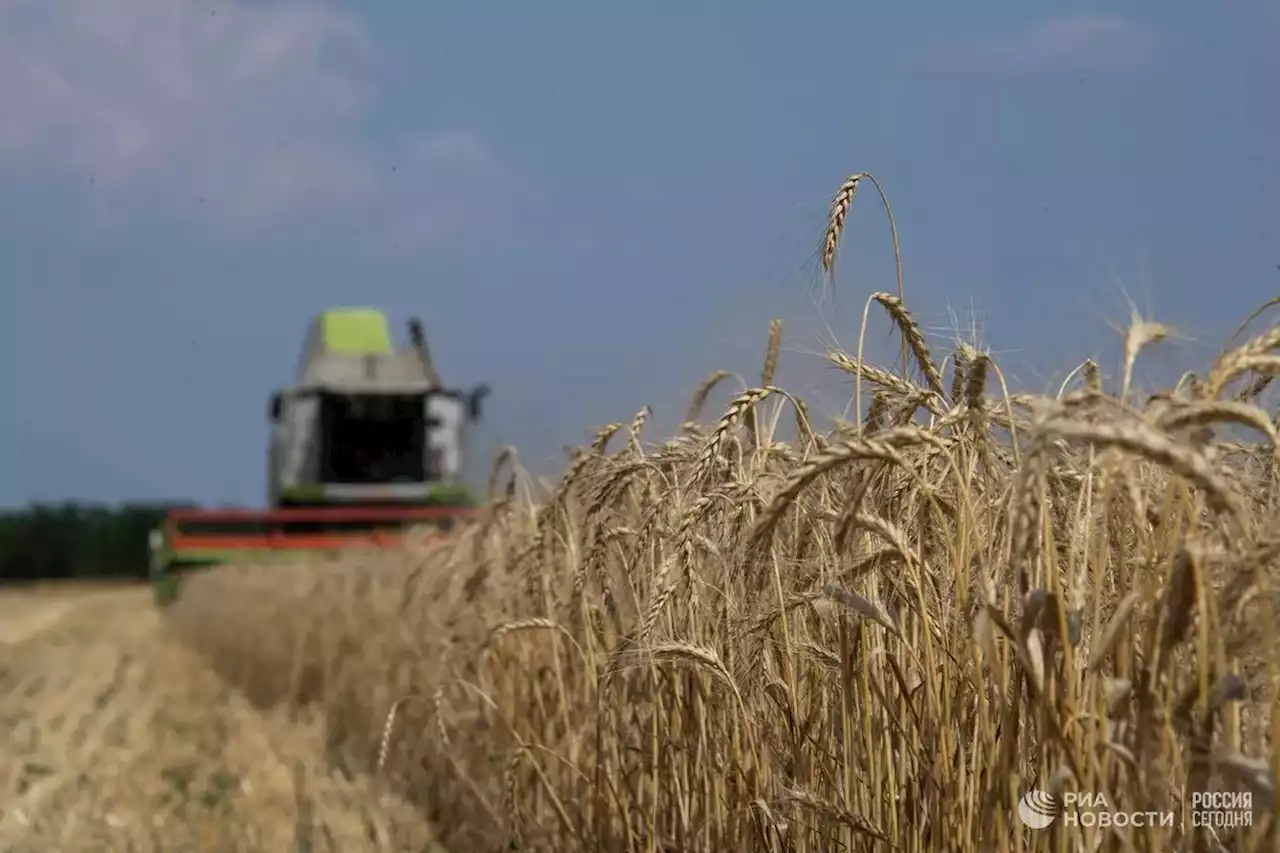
(836,219)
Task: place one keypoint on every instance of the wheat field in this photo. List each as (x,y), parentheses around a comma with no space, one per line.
(764,635)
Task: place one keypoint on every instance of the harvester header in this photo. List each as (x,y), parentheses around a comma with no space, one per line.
(366,441)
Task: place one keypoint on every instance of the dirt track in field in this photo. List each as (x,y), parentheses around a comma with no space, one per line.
(113,737)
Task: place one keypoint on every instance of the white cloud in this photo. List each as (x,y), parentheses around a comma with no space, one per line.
(1080,42)
(246,109)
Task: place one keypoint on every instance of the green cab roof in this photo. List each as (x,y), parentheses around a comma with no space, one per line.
(355,331)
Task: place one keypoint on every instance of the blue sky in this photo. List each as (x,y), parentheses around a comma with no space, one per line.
(592,205)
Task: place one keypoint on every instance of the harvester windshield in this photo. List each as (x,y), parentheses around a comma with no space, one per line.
(374,438)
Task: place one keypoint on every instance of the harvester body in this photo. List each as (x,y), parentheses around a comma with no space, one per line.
(365,423)
(366,441)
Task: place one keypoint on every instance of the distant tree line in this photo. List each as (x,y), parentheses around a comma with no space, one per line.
(65,541)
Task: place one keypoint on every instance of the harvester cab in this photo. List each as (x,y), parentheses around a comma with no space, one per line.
(366,424)
(365,442)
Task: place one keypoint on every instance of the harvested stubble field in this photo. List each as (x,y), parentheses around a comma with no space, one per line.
(874,637)
(114,737)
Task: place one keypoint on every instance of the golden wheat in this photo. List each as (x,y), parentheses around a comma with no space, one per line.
(876,639)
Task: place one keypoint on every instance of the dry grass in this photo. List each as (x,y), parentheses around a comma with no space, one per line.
(874,638)
(114,737)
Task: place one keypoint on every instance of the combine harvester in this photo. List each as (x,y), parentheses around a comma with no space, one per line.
(367,443)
